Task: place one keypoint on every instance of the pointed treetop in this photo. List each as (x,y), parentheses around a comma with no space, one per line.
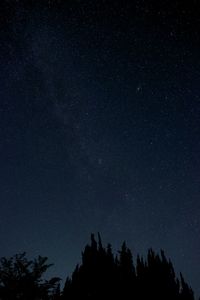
(93,242)
(99,242)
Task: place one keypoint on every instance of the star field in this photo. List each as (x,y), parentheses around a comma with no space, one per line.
(99,129)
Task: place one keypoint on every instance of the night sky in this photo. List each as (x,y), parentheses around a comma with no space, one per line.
(100,129)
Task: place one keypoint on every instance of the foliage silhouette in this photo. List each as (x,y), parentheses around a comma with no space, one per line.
(21,278)
(103,276)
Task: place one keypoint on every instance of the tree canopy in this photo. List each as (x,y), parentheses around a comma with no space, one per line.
(100,275)
(21,278)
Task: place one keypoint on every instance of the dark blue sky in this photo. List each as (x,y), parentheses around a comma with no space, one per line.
(99,129)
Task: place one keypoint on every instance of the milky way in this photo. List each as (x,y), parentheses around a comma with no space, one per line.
(99,129)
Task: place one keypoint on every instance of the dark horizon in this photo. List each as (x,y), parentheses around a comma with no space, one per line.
(100,274)
(99,128)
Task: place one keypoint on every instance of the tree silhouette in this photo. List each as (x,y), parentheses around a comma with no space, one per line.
(186,291)
(101,276)
(126,271)
(21,278)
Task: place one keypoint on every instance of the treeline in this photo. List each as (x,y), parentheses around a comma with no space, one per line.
(101,275)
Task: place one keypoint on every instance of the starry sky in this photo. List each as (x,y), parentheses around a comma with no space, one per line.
(99,129)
